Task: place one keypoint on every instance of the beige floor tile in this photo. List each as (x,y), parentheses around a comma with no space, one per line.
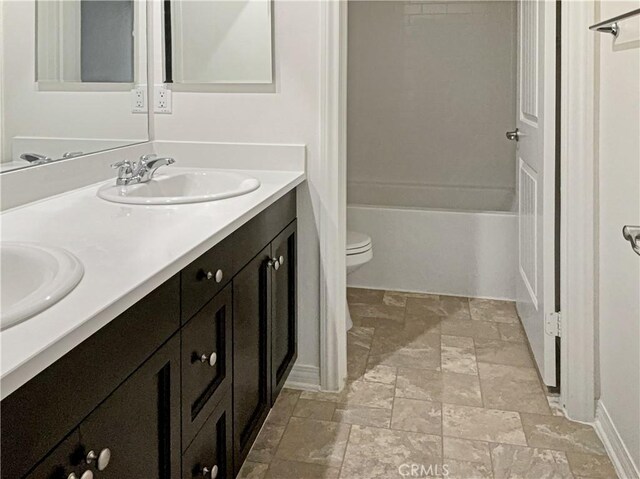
(280,469)
(453,388)
(492,310)
(399,298)
(457,469)
(512,332)
(313,441)
(284,406)
(458,355)
(363,416)
(512,388)
(311,409)
(378,453)
(471,329)
(264,447)
(466,450)
(555,405)
(591,465)
(357,393)
(364,296)
(408,346)
(381,374)
(555,432)
(503,352)
(377,311)
(417,416)
(482,424)
(357,357)
(515,461)
(252,470)
(360,336)
(445,307)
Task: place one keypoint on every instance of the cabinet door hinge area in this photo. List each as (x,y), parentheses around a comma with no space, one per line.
(553,324)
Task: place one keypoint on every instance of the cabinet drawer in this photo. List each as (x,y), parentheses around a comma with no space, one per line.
(210,453)
(203,278)
(206,362)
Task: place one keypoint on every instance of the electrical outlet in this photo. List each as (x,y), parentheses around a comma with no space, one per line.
(162,97)
(139,99)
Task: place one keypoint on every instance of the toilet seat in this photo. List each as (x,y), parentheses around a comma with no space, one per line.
(357,243)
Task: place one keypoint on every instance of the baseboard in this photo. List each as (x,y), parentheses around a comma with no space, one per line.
(612,441)
(303,376)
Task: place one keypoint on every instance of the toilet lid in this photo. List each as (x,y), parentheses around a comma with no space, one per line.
(357,242)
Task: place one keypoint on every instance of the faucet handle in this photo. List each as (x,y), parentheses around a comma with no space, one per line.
(122,164)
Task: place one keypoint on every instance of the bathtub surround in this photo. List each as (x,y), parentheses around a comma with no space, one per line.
(390,417)
(431,92)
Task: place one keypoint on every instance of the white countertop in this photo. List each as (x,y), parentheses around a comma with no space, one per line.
(127,251)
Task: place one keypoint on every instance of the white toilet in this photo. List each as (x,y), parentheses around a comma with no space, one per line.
(359,252)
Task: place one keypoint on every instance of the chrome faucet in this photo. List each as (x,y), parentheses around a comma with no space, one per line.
(142,171)
(35,158)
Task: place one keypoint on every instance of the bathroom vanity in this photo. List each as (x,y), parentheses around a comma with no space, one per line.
(180,383)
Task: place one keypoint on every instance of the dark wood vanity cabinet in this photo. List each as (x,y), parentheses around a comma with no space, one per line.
(180,384)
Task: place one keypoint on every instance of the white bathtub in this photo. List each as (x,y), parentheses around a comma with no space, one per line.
(467,250)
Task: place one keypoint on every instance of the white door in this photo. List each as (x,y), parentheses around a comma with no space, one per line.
(535,164)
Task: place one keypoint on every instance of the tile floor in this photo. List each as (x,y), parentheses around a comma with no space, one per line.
(438,387)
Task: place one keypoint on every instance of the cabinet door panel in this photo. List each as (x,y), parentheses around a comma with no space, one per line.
(62,461)
(211,452)
(206,338)
(251,352)
(140,422)
(284,349)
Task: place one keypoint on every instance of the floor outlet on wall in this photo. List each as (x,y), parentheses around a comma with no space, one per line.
(139,99)
(162,99)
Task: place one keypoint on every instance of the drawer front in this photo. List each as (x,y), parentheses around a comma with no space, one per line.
(43,411)
(205,277)
(210,453)
(206,362)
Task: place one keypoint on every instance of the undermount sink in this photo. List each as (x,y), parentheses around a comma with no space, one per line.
(181,185)
(34,277)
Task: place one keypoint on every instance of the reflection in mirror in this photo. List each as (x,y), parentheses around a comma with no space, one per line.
(218,42)
(73,78)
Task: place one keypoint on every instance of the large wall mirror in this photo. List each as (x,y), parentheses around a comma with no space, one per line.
(73,78)
(217,42)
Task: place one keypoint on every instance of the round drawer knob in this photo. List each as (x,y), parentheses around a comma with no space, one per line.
(209,358)
(218,275)
(213,472)
(281,259)
(72,476)
(276,264)
(87,475)
(102,459)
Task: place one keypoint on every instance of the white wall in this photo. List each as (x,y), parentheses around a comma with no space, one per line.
(618,146)
(59,114)
(291,114)
(431,94)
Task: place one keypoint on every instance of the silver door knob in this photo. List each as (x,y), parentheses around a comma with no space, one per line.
(514,135)
(218,275)
(632,235)
(101,459)
(209,358)
(213,471)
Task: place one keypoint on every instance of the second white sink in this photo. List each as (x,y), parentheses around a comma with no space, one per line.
(34,277)
(182,185)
